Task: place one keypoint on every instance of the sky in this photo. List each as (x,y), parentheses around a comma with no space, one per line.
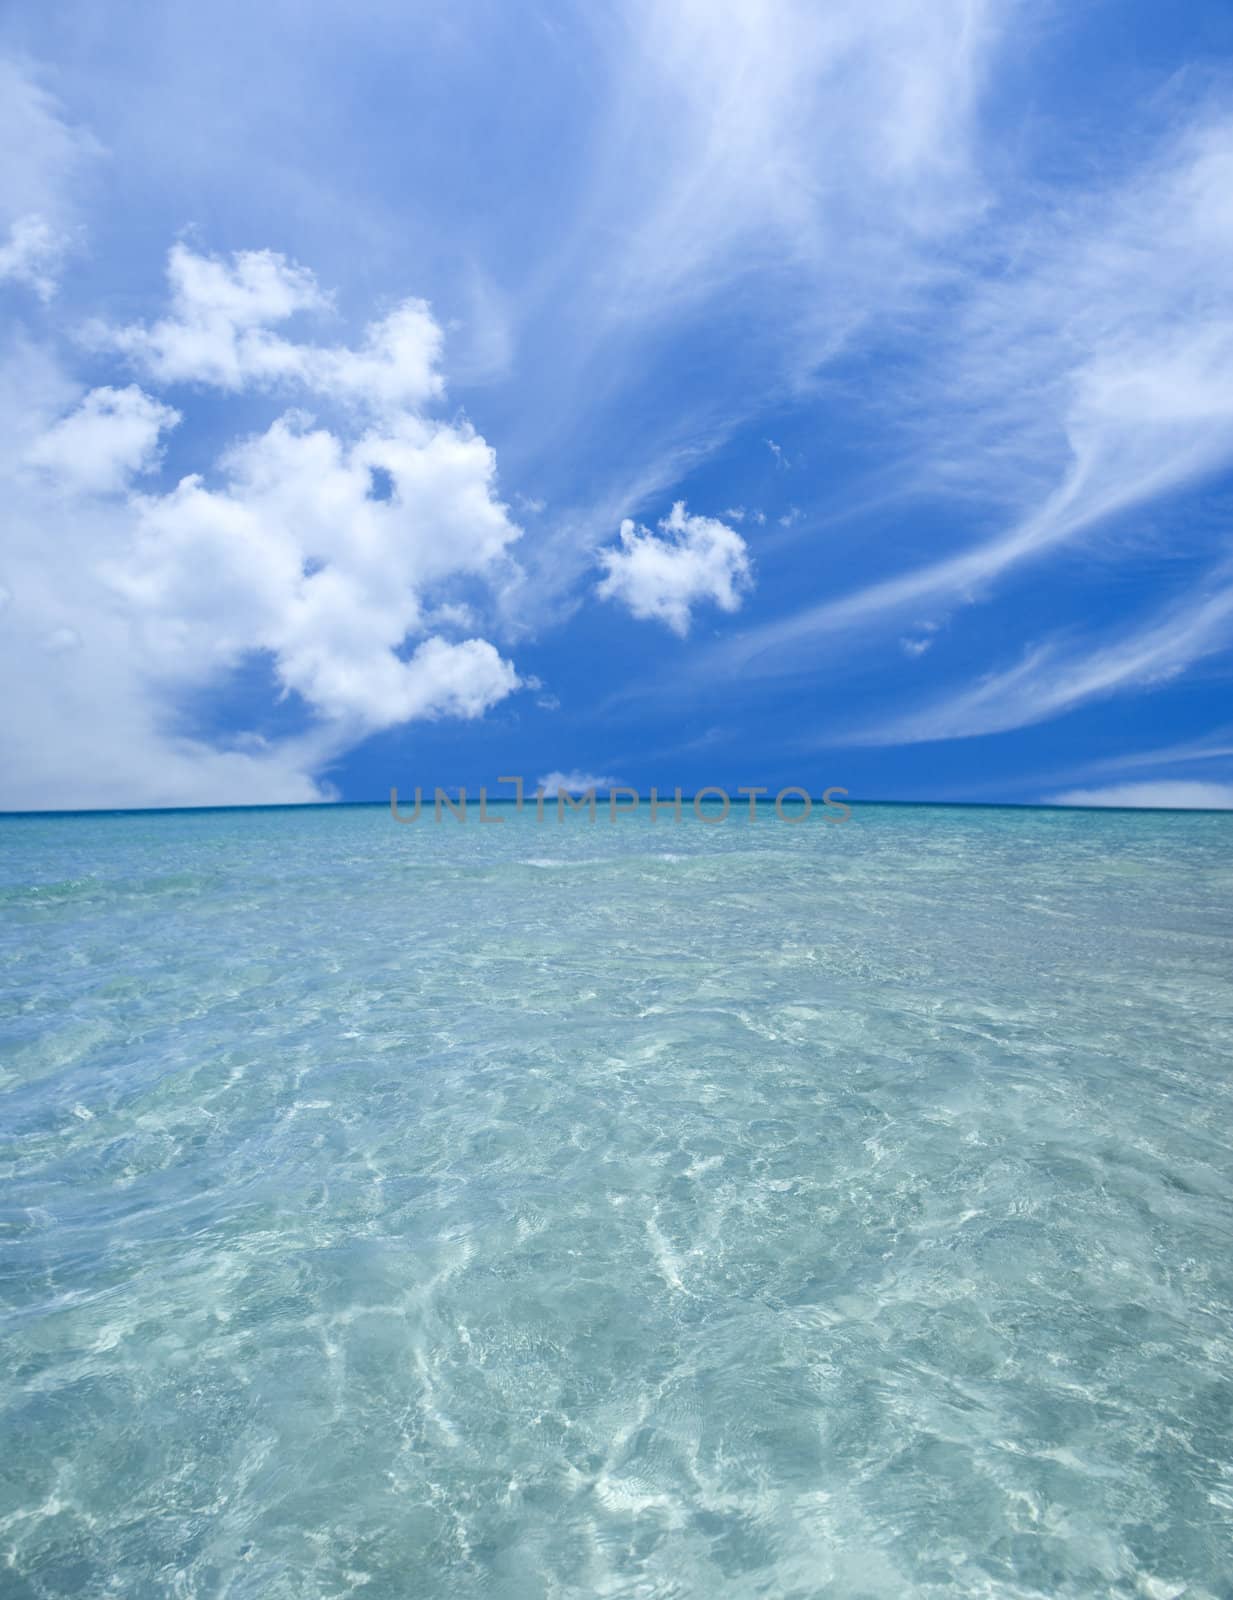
(665,393)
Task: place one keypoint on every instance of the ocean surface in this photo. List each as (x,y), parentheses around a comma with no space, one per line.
(649,1210)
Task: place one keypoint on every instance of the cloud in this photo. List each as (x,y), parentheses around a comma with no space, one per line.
(1206,759)
(37,226)
(1214,746)
(219,333)
(759,184)
(724,108)
(1173,795)
(31,254)
(661,579)
(98,448)
(1088,372)
(1052,678)
(328,553)
(291,554)
(573,782)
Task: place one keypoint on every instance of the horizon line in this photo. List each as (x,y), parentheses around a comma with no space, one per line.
(643,800)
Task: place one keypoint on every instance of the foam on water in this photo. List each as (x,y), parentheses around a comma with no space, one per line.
(639,1210)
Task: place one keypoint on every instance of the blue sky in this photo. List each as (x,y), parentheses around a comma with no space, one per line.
(673,393)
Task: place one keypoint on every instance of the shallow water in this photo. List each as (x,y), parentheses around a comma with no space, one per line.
(642,1210)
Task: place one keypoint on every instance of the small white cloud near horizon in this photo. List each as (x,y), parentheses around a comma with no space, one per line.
(661,579)
(1162,793)
(574,782)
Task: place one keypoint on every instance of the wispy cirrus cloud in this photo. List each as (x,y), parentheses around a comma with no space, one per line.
(1089,375)
(771,178)
(1215,746)
(45,157)
(780,137)
(1057,675)
(776,231)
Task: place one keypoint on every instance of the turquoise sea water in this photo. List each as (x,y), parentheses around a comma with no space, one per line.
(640,1210)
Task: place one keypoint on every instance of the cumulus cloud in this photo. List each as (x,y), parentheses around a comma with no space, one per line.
(574,782)
(331,553)
(219,332)
(1173,795)
(661,579)
(292,554)
(98,448)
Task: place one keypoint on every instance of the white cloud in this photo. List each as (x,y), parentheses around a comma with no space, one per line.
(768,176)
(219,333)
(31,254)
(1212,747)
(291,555)
(785,139)
(37,228)
(139,602)
(574,782)
(661,579)
(1052,679)
(1091,370)
(1175,795)
(451,614)
(112,435)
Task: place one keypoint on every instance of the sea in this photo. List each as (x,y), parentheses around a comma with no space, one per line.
(642,1209)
